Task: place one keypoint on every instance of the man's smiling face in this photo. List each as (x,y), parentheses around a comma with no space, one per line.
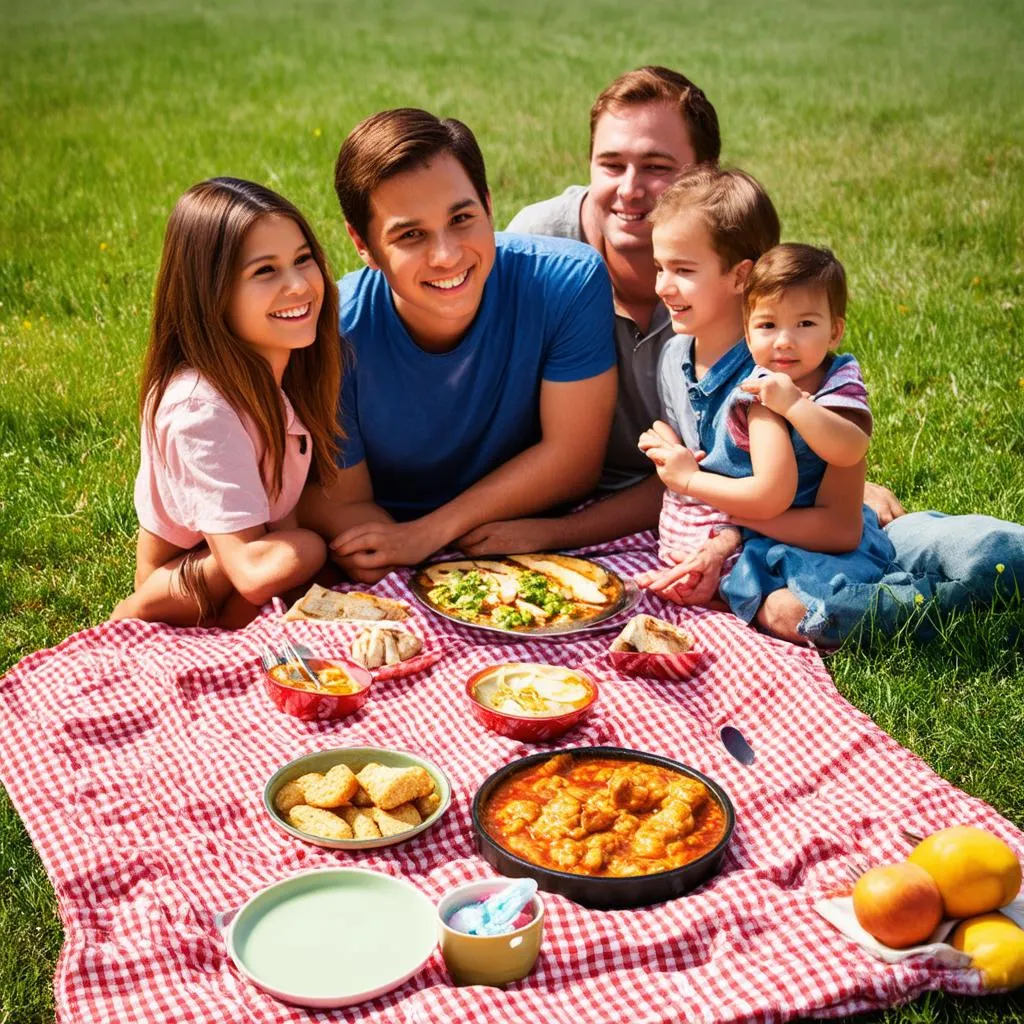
(433,239)
(637,152)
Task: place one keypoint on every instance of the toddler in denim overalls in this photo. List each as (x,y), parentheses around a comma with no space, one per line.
(816,427)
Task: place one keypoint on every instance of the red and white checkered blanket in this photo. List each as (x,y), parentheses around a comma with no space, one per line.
(136,755)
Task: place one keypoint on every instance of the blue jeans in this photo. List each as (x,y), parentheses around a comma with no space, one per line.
(765,566)
(942,564)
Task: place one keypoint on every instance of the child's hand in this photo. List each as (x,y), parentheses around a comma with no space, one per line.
(776,392)
(691,580)
(693,577)
(659,434)
(675,465)
(674,462)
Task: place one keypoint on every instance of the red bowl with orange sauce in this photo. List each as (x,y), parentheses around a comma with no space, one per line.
(530,728)
(313,705)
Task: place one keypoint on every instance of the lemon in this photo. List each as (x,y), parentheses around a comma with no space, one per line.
(975,871)
(996,947)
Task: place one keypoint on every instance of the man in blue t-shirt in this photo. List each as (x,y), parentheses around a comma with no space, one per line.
(482,381)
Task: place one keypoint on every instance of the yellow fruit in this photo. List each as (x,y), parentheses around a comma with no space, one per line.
(899,904)
(975,871)
(996,947)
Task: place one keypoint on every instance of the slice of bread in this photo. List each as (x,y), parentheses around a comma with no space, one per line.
(331,605)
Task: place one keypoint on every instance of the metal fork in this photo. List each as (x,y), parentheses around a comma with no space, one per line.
(268,656)
(291,652)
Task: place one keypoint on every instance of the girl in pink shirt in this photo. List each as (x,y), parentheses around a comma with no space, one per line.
(239,406)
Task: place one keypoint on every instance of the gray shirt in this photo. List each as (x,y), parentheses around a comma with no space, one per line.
(674,389)
(638,405)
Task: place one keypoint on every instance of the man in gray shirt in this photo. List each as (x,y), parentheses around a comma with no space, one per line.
(645,128)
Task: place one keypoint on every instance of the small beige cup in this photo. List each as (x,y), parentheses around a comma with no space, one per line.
(488,959)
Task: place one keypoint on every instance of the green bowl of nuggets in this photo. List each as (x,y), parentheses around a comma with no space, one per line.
(357,798)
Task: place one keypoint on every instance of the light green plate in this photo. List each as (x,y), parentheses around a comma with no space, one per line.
(333,937)
(355,758)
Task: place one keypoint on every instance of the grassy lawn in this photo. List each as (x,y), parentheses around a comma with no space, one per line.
(896,136)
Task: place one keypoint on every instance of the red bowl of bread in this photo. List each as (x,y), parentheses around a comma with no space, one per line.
(655,649)
(530,702)
(341,688)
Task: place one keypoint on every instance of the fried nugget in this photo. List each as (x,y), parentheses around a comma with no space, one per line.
(399,819)
(316,821)
(361,798)
(335,788)
(361,822)
(389,787)
(426,805)
(288,796)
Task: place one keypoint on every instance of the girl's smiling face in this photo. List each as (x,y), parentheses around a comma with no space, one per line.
(276,298)
(792,333)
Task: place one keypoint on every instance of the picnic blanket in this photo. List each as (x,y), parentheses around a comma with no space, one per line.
(136,755)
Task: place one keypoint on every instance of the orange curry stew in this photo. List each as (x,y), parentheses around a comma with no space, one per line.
(604,816)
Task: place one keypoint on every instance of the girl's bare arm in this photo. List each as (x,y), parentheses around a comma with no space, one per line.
(770,489)
(261,563)
(836,436)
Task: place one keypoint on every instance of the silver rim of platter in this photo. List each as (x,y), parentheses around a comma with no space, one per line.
(606,620)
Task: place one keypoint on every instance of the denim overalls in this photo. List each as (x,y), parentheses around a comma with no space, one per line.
(765,565)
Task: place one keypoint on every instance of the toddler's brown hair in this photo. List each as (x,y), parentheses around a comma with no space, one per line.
(795,265)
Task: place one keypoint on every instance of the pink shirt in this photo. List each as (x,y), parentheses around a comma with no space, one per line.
(200,469)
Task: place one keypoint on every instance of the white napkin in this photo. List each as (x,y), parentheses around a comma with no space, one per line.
(1014,910)
(838,911)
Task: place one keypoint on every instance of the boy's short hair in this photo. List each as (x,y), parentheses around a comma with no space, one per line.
(732,205)
(794,265)
(394,141)
(655,84)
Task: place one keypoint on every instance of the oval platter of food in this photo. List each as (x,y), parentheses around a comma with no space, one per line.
(525,595)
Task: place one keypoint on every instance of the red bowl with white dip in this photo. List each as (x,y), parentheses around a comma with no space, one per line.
(532,702)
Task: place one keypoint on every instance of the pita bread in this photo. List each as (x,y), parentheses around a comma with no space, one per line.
(332,605)
(648,635)
(384,645)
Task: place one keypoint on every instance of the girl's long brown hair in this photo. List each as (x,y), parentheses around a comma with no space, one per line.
(198,269)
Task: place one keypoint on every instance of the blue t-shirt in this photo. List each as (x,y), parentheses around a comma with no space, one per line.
(429,425)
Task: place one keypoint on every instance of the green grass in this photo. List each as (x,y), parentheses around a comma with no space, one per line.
(896,136)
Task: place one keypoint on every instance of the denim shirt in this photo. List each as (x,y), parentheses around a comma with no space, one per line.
(698,409)
(704,412)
